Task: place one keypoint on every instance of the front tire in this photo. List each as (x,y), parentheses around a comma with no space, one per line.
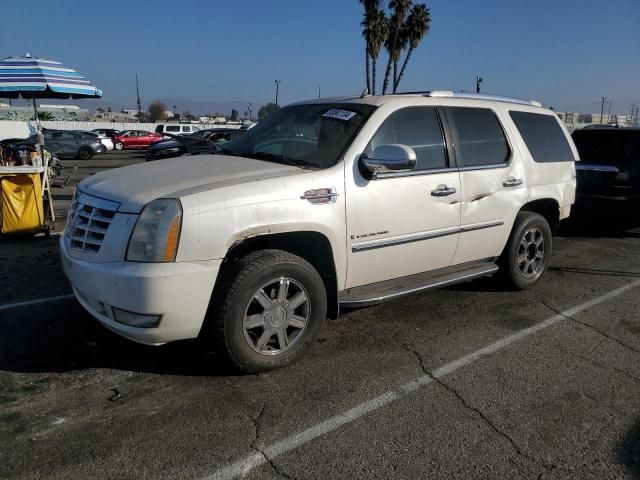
(118,145)
(528,252)
(267,309)
(85,153)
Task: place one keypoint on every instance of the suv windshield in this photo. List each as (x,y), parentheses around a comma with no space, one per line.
(309,136)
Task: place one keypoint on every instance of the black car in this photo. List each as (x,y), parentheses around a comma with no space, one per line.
(201,142)
(609,167)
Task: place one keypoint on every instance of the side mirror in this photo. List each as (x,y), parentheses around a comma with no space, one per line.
(388,159)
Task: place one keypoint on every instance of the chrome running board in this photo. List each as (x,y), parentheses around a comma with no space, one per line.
(380,292)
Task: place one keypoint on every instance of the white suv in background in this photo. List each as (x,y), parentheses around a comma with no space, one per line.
(176,128)
(328,203)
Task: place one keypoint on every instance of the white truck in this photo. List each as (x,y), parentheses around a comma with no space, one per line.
(328,203)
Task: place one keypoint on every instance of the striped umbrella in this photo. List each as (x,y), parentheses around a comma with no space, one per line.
(33,78)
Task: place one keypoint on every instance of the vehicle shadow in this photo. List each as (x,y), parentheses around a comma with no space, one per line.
(628,452)
(66,338)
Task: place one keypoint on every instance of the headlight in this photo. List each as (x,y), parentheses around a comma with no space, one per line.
(172,150)
(155,236)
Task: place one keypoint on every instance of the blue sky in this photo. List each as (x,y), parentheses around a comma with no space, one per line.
(566,52)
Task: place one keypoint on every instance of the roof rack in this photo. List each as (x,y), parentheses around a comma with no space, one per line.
(477,96)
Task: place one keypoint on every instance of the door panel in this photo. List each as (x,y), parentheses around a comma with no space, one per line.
(404,223)
(397,228)
(492,180)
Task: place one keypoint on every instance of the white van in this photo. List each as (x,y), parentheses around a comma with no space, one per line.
(176,128)
(15,129)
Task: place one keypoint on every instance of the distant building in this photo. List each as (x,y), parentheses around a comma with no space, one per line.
(71,113)
(574,120)
(114,117)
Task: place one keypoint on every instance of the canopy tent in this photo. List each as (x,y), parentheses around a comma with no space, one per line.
(37,78)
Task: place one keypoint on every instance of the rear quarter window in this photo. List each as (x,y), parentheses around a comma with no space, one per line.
(543,136)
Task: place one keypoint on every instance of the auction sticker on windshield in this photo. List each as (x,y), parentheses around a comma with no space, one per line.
(339,114)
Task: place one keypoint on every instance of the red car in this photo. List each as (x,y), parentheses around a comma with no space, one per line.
(134,139)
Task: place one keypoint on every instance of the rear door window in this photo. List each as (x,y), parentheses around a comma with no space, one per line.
(186,129)
(543,136)
(478,138)
(172,128)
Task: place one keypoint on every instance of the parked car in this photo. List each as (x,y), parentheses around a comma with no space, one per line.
(220,134)
(198,143)
(70,144)
(180,145)
(248,249)
(135,139)
(107,132)
(105,140)
(609,167)
(176,128)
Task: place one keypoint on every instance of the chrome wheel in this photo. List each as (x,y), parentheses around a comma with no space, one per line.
(531,253)
(276,316)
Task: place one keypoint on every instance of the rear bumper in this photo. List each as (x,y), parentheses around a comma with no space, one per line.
(178,292)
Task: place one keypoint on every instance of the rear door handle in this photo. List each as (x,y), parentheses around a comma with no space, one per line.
(512,182)
(443,191)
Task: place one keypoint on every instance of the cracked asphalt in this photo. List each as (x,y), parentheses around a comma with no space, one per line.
(563,402)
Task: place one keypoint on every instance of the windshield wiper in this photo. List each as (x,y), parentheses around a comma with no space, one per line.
(277,158)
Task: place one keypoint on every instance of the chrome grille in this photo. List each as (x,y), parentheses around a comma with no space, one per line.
(87,225)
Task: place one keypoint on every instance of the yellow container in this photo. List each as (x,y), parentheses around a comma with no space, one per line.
(22,208)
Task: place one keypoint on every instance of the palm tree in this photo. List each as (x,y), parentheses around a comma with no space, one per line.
(394,40)
(370,6)
(417,26)
(375,33)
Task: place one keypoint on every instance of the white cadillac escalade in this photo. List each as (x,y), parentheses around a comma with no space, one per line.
(327,203)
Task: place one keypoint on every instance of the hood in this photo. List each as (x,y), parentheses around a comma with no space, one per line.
(136,185)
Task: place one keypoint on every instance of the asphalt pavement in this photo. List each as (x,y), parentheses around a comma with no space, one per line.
(472,381)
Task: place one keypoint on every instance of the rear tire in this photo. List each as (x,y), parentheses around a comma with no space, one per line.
(526,257)
(267,309)
(85,153)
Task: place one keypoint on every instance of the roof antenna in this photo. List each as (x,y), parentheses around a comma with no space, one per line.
(365,93)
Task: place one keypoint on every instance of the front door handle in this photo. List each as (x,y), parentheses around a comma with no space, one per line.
(512,182)
(443,191)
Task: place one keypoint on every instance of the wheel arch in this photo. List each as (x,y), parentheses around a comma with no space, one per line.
(313,246)
(549,208)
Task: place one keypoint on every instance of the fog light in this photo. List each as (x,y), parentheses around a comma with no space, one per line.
(135,319)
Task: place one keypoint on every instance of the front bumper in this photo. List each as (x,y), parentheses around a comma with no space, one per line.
(179,292)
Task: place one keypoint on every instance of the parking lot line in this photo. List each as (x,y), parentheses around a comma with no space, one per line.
(270,452)
(27,303)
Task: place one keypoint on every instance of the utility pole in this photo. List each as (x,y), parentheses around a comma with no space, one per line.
(139,102)
(318,90)
(478,82)
(250,118)
(602,109)
(277,89)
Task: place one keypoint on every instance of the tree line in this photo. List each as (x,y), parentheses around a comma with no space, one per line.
(399,31)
